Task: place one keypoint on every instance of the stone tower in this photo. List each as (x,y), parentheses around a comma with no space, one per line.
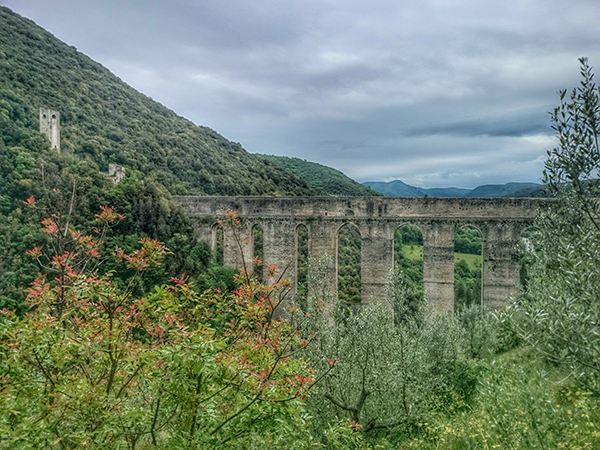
(50,126)
(116,172)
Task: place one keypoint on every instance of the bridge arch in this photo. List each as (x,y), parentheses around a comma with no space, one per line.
(257,255)
(529,245)
(349,257)
(468,249)
(216,242)
(408,253)
(302,260)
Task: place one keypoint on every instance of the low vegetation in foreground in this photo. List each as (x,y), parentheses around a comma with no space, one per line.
(114,348)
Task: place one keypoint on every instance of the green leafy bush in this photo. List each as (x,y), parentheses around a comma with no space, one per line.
(386,367)
(559,312)
(91,365)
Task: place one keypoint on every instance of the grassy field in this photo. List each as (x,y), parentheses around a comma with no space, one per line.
(474,261)
(415,252)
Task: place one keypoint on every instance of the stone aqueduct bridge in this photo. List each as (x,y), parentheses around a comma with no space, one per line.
(500,221)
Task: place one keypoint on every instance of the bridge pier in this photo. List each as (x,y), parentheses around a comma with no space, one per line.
(322,250)
(500,264)
(237,245)
(376,261)
(438,264)
(279,252)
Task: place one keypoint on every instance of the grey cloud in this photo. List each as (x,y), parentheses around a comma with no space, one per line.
(506,127)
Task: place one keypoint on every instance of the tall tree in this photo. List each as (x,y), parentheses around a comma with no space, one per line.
(561,308)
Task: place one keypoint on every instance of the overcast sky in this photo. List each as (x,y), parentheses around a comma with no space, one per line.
(435,93)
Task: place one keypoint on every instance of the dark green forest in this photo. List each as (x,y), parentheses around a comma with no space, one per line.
(467,280)
(349,251)
(106,121)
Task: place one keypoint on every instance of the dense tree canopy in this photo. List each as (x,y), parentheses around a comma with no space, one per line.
(560,309)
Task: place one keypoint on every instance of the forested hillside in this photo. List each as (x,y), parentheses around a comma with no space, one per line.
(323,179)
(107,121)
(103,120)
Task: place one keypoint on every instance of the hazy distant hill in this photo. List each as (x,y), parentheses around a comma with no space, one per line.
(501,190)
(398,188)
(538,191)
(107,121)
(395,188)
(323,179)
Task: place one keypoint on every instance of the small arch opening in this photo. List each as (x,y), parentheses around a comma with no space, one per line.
(257,252)
(216,244)
(301,262)
(408,260)
(349,261)
(528,248)
(467,268)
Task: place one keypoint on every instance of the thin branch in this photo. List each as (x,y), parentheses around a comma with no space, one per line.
(72,202)
(129,380)
(230,418)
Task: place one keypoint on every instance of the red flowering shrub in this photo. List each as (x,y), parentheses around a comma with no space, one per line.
(91,365)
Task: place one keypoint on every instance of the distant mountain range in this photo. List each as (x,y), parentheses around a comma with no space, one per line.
(326,180)
(398,188)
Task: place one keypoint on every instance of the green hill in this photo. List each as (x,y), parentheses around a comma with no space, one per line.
(501,190)
(394,188)
(107,121)
(321,178)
